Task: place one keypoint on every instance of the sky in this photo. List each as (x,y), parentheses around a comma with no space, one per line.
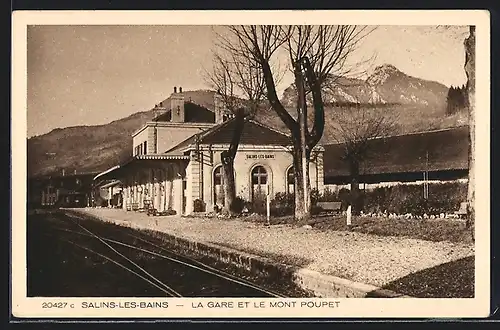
(92,75)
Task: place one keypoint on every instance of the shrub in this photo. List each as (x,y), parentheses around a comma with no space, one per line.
(99,201)
(282,204)
(329,196)
(345,198)
(169,212)
(402,199)
(199,205)
(316,209)
(239,203)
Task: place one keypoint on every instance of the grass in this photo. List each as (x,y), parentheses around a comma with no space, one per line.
(429,230)
(454,279)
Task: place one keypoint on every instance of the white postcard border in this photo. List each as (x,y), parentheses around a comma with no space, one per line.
(23,306)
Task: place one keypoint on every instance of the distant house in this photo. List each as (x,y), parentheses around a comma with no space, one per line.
(61,190)
(440,155)
(108,193)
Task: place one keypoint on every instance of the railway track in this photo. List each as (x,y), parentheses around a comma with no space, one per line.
(168,272)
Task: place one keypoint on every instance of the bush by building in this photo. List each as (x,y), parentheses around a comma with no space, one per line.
(399,199)
(282,204)
(403,199)
(199,205)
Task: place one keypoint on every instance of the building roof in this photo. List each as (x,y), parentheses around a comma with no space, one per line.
(162,157)
(59,176)
(111,184)
(254,133)
(193,113)
(114,172)
(107,171)
(432,151)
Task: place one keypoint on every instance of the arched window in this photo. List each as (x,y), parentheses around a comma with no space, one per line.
(217,187)
(259,175)
(259,182)
(290,180)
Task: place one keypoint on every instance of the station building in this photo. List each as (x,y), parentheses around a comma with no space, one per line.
(176,159)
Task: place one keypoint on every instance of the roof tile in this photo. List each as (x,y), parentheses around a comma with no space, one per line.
(254,133)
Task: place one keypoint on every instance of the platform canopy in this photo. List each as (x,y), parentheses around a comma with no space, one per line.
(113,183)
(115,172)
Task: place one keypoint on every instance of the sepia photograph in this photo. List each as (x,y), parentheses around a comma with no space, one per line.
(230,164)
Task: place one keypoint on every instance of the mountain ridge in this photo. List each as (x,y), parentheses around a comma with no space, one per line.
(386,84)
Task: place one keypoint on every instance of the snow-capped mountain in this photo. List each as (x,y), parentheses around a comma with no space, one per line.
(385,85)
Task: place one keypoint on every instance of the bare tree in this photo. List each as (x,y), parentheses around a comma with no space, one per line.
(317,54)
(355,128)
(240,86)
(470,71)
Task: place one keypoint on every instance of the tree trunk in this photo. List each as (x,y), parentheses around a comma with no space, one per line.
(302,120)
(470,70)
(227,159)
(300,214)
(228,183)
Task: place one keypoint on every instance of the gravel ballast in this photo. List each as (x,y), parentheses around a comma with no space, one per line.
(370,259)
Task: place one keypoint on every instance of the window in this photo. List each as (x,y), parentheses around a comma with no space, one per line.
(217,187)
(259,175)
(290,180)
(145,147)
(218,175)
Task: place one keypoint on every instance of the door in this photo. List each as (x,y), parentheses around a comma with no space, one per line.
(259,183)
(184,194)
(218,187)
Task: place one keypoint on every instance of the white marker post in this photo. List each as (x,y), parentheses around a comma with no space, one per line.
(349,215)
(268,205)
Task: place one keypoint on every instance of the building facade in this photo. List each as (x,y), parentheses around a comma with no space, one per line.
(176,160)
(61,190)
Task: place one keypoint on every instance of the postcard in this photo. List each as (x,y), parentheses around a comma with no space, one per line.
(250,164)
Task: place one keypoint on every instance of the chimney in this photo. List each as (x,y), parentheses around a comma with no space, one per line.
(175,90)
(177,107)
(218,108)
